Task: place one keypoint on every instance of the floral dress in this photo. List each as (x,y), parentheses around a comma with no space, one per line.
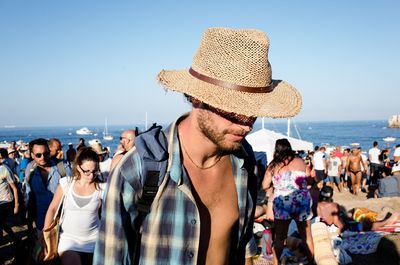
(292,199)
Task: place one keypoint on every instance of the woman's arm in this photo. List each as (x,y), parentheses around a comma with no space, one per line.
(53,207)
(267,181)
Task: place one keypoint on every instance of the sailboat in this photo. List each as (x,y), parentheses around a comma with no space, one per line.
(107,136)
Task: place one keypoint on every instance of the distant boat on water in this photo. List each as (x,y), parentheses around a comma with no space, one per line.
(107,136)
(394,121)
(83,131)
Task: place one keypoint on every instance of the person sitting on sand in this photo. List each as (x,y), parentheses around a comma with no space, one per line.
(331,212)
(354,164)
(389,186)
(327,210)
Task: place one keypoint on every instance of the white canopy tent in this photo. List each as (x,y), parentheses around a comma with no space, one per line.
(264,140)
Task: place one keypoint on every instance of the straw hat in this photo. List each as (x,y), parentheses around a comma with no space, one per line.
(230,71)
(11,150)
(98,148)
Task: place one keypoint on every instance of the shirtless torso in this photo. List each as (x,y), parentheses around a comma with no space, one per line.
(353,167)
(214,193)
(329,213)
(354,163)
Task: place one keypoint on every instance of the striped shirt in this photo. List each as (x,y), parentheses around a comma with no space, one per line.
(171,231)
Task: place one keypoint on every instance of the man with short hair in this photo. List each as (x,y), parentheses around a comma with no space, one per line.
(56,153)
(334,169)
(374,163)
(344,174)
(320,167)
(127,142)
(204,209)
(353,167)
(389,186)
(42,180)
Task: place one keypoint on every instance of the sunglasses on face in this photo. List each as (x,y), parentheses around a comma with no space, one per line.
(88,172)
(233,117)
(44,154)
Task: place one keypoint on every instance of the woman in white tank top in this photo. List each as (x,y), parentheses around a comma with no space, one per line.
(83,197)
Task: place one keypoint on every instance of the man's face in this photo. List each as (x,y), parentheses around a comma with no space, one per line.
(55,148)
(41,154)
(226,130)
(126,141)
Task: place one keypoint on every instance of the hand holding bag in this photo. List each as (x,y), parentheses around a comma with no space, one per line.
(46,247)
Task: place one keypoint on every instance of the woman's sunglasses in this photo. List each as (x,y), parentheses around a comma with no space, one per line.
(88,172)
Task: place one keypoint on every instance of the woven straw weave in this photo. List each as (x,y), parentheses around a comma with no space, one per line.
(239,57)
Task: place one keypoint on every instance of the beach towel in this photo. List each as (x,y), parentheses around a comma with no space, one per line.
(361,243)
(394,228)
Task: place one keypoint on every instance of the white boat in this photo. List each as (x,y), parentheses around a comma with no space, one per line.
(389,139)
(83,131)
(107,136)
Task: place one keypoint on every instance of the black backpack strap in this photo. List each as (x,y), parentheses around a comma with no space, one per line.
(152,147)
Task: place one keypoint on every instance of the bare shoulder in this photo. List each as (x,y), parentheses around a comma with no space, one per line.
(298,164)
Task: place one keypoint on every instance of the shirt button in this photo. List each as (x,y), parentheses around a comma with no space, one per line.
(193,222)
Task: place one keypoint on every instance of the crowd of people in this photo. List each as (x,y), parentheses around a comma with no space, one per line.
(354,170)
(37,177)
(187,194)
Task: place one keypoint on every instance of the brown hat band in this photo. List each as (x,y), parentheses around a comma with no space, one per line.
(265,89)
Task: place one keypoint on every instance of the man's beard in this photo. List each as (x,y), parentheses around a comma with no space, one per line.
(217,137)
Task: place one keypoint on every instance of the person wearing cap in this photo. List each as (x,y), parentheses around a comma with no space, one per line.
(105,163)
(327,210)
(71,154)
(9,159)
(9,202)
(389,186)
(204,211)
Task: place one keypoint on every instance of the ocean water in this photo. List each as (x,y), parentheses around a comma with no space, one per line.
(333,133)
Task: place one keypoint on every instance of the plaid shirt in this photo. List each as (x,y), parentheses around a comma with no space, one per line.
(171,231)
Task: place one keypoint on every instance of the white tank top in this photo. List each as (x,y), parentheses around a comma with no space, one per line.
(81,223)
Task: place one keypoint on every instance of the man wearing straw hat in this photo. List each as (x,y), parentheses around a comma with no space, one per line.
(203,211)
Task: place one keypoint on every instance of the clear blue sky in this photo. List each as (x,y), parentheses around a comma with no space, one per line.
(76,62)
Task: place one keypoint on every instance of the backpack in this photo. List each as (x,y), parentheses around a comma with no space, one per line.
(152,147)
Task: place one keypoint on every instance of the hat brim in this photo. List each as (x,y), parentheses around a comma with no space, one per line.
(283,102)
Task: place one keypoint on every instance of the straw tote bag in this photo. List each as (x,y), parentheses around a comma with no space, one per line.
(46,246)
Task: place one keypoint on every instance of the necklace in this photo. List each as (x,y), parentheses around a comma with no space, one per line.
(200,167)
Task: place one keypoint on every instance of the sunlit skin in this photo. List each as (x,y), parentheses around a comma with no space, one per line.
(55,147)
(84,186)
(43,160)
(209,139)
